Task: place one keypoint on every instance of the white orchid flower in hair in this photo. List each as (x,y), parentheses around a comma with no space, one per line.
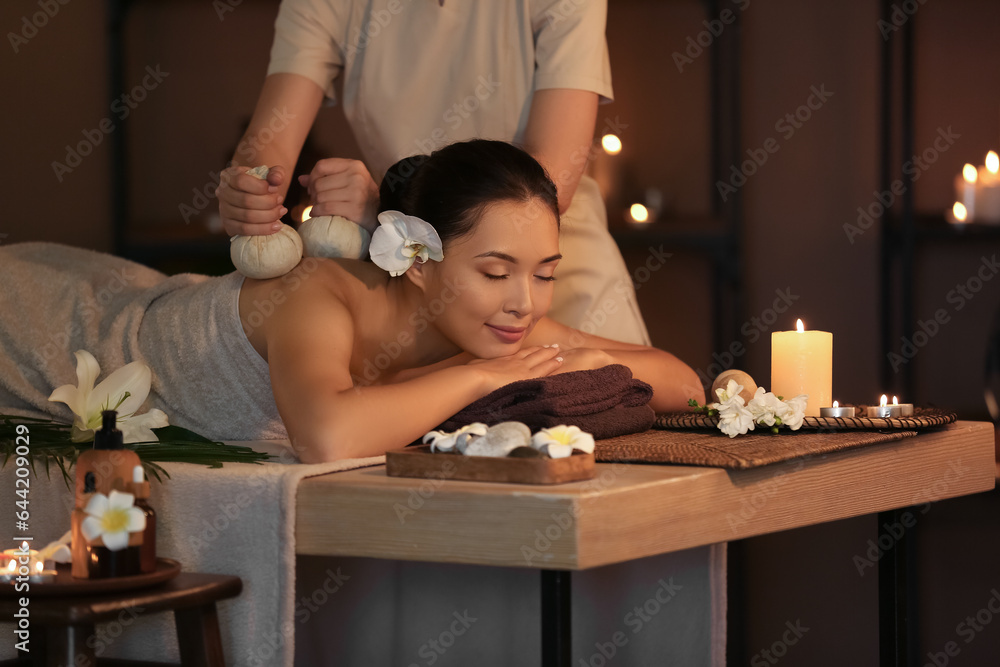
(400,239)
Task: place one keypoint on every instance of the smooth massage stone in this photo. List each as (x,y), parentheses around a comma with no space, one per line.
(500,440)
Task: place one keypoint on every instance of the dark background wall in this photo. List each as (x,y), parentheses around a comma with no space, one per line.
(56,92)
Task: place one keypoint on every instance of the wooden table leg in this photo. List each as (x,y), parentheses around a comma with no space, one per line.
(557,643)
(67,646)
(198,636)
(894,620)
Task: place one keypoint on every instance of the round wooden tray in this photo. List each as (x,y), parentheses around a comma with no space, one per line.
(922,418)
(65,584)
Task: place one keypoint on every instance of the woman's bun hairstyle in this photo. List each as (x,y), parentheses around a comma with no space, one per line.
(453,186)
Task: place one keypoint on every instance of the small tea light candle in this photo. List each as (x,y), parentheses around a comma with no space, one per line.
(40,575)
(884,411)
(837,411)
(10,561)
(9,573)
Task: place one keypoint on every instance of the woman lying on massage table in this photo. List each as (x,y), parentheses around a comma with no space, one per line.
(362,362)
(350,361)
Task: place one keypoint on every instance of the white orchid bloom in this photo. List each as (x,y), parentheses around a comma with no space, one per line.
(560,441)
(124,391)
(400,239)
(446,442)
(112,518)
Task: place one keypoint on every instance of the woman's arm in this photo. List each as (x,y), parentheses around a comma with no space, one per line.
(559,133)
(309,346)
(673,381)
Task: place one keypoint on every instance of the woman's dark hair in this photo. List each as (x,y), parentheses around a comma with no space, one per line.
(453,186)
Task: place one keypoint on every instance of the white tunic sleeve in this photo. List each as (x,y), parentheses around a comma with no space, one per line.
(307,42)
(571,50)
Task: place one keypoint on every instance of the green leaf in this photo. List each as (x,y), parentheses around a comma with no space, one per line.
(171,432)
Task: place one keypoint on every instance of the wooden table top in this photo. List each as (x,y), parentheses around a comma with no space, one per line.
(630,510)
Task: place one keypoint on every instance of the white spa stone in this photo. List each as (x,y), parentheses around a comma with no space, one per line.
(266,256)
(500,440)
(334,236)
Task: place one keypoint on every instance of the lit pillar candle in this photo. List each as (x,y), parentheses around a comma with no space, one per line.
(988,191)
(802,363)
(965,191)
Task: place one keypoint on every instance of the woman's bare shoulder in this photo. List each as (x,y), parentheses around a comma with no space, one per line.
(314,286)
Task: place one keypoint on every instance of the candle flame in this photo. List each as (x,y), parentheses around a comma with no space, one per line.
(799,326)
(970,173)
(306,212)
(12,565)
(959,211)
(611,144)
(24,546)
(895,401)
(992,162)
(836,404)
(639,213)
(882,402)
(39,566)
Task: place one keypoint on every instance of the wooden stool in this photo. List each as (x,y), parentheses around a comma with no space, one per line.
(62,626)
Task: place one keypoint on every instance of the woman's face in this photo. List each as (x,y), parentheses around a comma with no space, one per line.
(496,282)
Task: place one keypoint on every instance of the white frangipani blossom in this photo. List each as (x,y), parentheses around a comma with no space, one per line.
(446,442)
(560,441)
(112,518)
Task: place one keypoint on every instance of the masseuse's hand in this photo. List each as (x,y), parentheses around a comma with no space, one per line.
(339,186)
(525,364)
(250,205)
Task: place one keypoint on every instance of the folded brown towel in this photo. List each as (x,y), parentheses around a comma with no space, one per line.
(605,402)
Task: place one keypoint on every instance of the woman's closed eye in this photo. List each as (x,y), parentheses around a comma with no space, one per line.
(491,276)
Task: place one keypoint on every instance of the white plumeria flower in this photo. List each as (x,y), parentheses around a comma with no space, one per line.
(446,442)
(124,391)
(560,441)
(112,518)
(400,239)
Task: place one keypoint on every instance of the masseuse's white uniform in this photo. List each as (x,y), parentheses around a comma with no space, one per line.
(418,75)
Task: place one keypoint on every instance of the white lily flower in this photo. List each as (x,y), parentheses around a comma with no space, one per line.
(446,442)
(400,239)
(124,391)
(560,441)
(112,518)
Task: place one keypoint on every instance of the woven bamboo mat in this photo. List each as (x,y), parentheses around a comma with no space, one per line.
(713,448)
(922,418)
